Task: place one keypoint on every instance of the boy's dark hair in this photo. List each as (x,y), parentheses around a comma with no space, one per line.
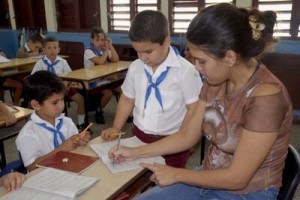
(41,85)
(36,38)
(97,30)
(149,26)
(50,39)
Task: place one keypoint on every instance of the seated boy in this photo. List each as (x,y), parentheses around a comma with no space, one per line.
(32,47)
(13,84)
(48,130)
(53,63)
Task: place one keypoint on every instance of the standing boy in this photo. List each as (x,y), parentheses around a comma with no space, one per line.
(53,63)
(161,87)
(32,47)
(101,52)
(48,130)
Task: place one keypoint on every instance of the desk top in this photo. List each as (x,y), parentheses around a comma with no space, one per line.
(92,73)
(109,185)
(15,62)
(20,115)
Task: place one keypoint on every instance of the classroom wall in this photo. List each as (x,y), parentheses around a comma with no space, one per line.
(9,41)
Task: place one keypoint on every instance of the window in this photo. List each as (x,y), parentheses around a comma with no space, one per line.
(288,17)
(181,12)
(77,15)
(30,13)
(121,12)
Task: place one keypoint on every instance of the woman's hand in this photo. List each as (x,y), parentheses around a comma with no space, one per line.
(163,175)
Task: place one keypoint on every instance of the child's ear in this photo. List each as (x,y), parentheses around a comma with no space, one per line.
(35,104)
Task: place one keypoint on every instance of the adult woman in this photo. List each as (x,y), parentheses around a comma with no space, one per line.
(244,109)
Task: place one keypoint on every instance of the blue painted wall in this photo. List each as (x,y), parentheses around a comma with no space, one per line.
(9,41)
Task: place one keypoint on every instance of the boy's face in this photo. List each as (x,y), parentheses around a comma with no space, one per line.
(51,50)
(51,108)
(34,46)
(98,41)
(152,54)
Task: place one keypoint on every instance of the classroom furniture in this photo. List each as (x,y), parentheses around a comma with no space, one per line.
(92,79)
(126,52)
(12,131)
(17,66)
(110,186)
(291,175)
(287,68)
(74,51)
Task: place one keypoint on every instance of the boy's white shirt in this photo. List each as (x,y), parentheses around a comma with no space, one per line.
(35,141)
(61,67)
(180,88)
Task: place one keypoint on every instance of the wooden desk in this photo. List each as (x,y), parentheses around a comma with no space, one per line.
(98,75)
(17,66)
(110,185)
(12,131)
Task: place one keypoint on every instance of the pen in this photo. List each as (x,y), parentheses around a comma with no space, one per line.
(119,140)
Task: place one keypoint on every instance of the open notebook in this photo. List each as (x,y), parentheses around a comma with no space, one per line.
(52,184)
(103,148)
(68,161)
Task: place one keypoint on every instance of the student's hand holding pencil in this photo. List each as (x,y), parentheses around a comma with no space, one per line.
(110,134)
(83,137)
(120,153)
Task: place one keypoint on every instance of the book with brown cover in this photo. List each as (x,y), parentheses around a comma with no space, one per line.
(68,161)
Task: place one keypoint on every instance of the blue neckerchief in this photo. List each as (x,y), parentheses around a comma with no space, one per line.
(96,51)
(50,67)
(55,132)
(160,79)
(155,85)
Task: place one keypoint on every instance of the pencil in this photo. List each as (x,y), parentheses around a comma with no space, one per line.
(79,135)
(88,127)
(116,134)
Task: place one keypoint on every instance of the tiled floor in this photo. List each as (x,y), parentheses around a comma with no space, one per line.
(11,152)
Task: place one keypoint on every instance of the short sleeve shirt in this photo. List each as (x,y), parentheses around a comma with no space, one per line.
(180,88)
(35,141)
(88,54)
(61,67)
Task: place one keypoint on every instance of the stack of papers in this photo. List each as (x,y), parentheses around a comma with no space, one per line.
(103,148)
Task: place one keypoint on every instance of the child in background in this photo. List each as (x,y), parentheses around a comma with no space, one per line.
(16,85)
(48,130)
(32,47)
(101,52)
(174,82)
(53,63)
(6,115)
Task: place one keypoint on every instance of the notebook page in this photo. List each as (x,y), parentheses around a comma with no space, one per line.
(103,148)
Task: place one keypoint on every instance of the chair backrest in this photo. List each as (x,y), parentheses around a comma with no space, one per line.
(290,176)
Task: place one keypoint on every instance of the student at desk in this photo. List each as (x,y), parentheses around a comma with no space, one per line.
(13,84)
(161,87)
(55,64)
(48,130)
(31,48)
(6,115)
(101,52)
(244,110)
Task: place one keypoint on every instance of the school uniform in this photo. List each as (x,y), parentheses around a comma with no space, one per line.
(91,53)
(59,66)
(179,86)
(34,140)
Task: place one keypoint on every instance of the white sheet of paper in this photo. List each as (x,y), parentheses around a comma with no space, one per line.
(103,148)
(4,59)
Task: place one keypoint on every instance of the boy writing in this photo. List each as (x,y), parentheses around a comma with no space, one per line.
(53,63)
(31,48)
(48,130)
(101,52)
(161,87)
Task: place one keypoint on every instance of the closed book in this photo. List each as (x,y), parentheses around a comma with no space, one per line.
(68,161)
